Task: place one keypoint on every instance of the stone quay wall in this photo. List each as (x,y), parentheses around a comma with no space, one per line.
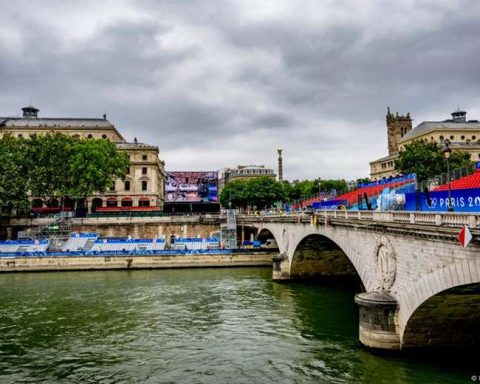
(69,263)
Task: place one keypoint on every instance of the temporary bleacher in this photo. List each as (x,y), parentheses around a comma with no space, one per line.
(467,182)
(127,245)
(24,247)
(196,243)
(78,241)
(89,244)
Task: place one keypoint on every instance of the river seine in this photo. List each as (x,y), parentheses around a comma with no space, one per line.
(192,326)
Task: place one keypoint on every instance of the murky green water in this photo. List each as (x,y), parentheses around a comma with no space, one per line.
(191,326)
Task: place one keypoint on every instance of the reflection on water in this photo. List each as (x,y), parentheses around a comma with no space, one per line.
(191,326)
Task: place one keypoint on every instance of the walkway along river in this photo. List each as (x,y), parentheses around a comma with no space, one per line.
(232,325)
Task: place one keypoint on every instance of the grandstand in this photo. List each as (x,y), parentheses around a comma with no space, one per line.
(127,245)
(467,182)
(353,198)
(79,241)
(90,244)
(33,247)
(196,243)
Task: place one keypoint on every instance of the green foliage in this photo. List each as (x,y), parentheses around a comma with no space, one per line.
(13,176)
(258,193)
(427,160)
(55,166)
(263,192)
(304,189)
(93,166)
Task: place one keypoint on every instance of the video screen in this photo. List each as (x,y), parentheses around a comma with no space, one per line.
(192,187)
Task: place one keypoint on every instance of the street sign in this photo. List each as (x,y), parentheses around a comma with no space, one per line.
(464,236)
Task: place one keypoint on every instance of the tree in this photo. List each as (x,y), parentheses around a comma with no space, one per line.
(259,193)
(14,181)
(49,159)
(427,160)
(93,167)
(55,166)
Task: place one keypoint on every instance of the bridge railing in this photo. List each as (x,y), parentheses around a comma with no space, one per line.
(446,219)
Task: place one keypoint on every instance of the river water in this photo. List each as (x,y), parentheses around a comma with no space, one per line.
(192,326)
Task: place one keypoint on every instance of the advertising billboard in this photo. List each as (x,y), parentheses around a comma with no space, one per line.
(191,187)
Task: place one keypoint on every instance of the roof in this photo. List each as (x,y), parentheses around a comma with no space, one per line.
(431,126)
(394,156)
(53,122)
(125,145)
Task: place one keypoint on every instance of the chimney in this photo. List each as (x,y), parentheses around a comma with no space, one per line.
(280,165)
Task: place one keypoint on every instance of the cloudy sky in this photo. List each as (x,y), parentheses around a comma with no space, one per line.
(219,83)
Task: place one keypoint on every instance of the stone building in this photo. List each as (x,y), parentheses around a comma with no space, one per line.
(145,182)
(243,172)
(463,135)
(397,127)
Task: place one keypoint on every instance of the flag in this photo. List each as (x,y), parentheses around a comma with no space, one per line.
(464,236)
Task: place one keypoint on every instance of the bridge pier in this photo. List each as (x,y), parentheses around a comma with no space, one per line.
(378,320)
(281,267)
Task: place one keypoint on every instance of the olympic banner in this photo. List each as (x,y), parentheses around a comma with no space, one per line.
(461,200)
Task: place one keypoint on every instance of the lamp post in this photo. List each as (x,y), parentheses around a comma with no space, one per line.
(446,153)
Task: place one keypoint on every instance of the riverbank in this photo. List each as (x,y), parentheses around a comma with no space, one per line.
(86,263)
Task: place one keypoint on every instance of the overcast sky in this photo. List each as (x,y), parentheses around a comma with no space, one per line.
(220,83)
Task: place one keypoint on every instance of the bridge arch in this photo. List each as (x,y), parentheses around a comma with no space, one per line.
(451,296)
(449,318)
(317,255)
(264,235)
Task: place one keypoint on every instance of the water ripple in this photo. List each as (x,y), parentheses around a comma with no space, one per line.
(187,326)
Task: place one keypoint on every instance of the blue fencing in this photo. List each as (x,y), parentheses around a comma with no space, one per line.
(23,242)
(332,204)
(462,200)
(83,234)
(409,177)
(165,252)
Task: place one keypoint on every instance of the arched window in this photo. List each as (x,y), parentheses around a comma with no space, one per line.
(144,202)
(127,202)
(111,202)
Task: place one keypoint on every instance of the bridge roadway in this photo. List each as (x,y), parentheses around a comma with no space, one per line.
(420,287)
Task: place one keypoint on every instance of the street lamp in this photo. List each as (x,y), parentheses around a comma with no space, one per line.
(446,153)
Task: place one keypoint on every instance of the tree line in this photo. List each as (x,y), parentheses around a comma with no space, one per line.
(54,166)
(264,192)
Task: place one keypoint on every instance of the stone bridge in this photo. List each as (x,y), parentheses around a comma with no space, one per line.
(420,287)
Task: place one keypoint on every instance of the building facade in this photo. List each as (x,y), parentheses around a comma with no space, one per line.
(397,127)
(463,134)
(243,172)
(144,185)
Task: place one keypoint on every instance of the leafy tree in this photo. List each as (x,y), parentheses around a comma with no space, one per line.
(426,160)
(259,193)
(14,182)
(55,166)
(49,164)
(93,166)
(329,185)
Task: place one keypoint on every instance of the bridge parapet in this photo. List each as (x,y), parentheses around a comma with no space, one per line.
(448,219)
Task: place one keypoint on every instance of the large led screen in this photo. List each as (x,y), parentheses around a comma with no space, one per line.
(191,187)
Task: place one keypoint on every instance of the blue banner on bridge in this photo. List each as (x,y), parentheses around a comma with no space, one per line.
(462,200)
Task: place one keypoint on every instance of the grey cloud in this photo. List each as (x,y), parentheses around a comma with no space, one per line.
(328,82)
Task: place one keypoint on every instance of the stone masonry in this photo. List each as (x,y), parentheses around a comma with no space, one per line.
(408,272)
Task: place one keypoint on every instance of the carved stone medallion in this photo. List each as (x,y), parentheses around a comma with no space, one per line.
(385,264)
